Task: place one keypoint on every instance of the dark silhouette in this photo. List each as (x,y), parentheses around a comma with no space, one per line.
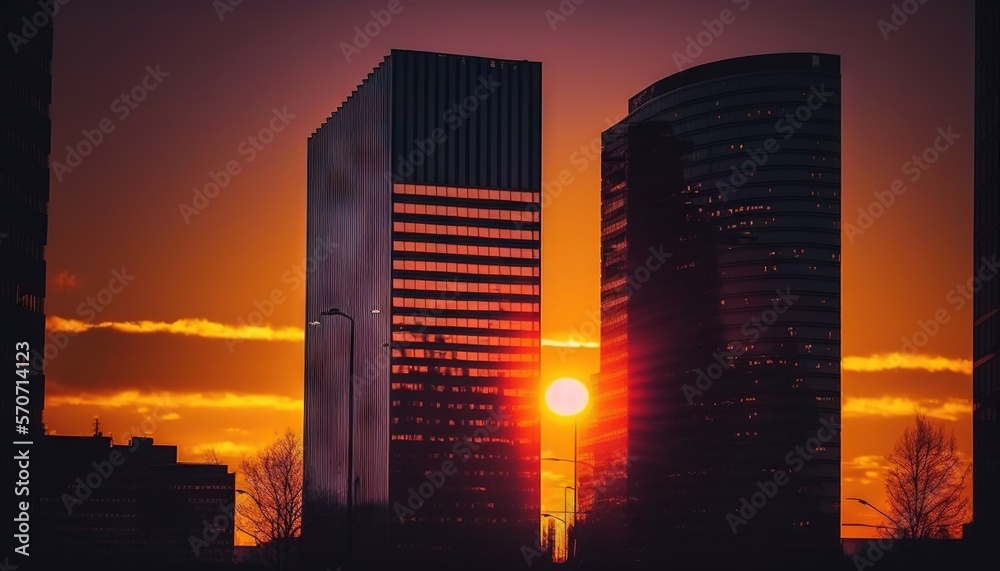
(270,509)
(926,485)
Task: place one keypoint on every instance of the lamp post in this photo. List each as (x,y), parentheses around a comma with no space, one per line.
(336,312)
(568,397)
(565,532)
(555,517)
(867,503)
(565,508)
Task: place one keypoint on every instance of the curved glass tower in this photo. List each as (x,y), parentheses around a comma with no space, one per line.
(720,294)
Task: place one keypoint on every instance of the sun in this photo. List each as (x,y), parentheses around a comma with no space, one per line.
(566,396)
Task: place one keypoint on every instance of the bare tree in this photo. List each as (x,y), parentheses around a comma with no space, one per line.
(211,457)
(549,539)
(270,507)
(925,486)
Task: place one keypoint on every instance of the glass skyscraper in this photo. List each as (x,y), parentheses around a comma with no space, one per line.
(720,333)
(986,301)
(426,181)
(25,141)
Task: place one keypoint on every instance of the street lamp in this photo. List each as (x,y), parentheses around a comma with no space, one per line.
(565,508)
(568,397)
(899,528)
(588,464)
(866,503)
(555,517)
(336,312)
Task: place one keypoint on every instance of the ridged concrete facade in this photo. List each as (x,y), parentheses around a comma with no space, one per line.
(427,180)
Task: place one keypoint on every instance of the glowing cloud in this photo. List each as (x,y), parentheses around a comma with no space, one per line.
(173,401)
(889,407)
(65,280)
(225,448)
(891,361)
(570,343)
(187,327)
(555,477)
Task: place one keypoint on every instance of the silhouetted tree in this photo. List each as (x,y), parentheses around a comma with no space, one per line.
(211,457)
(926,483)
(270,510)
(549,539)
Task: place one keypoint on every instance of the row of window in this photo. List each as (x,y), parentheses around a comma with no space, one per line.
(462,371)
(29,96)
(408,338)
(475,193)
(461,304)
(419,403)
(418,387)
(459,286)
(464,249)
(28,145)
(474,269)
(16,294)
(472,323)
(465,212)
(474,231)
(684,104)
(32,197)
(485,356)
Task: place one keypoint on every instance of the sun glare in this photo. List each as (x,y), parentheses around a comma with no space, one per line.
(566,396)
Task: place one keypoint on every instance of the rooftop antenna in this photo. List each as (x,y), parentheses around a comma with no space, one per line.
(97,427)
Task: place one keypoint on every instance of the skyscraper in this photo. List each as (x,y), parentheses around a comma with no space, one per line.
(427,183)
(718,402)
(25,135)
(986,301)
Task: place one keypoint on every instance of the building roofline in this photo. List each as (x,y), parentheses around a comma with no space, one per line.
(783,61)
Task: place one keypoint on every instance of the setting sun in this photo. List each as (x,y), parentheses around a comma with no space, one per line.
(566,396)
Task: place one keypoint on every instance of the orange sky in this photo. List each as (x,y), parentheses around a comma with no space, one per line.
(193,283)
